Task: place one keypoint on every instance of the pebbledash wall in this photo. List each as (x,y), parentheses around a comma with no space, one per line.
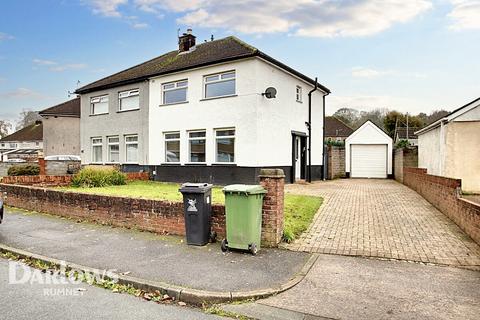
(445,195)
(164,217)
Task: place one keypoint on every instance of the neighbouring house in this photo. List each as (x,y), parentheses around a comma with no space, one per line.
(450,147)
(404,133)
(368,152)
(24,144)
(61,128)
(203,113)
(336,130)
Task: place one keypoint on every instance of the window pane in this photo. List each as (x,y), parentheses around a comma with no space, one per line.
(172,153)
(169,86)
(182,84)
(197,150)
(131,139)
(217,89)
(222,133)
(229,75)
(225,150)
(130,103)
(114,153)
(212,78)
(199,134)
(97,141)
(172,135)
(173,96)
(97,154)
(114,140)
(101,107)
(132,152)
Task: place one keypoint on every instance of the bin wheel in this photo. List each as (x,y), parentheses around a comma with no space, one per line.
(253,249)
(224,245)
(213,237)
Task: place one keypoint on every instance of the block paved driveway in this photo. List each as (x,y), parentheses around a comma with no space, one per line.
(382,218)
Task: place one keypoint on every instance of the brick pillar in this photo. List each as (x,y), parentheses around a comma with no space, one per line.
(42,165)
(273,180)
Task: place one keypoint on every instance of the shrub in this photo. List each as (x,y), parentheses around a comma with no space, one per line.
(24,170)
(402,144)
(98,177)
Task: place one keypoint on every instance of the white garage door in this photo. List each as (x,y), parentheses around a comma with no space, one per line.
(368,161)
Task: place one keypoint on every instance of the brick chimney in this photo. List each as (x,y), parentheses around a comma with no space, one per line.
(186,41)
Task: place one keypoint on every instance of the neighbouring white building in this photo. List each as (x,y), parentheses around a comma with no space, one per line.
(368,152)
(203,113)
(24,144)
(450,147)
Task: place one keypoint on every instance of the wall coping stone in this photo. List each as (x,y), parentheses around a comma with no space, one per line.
(272,173)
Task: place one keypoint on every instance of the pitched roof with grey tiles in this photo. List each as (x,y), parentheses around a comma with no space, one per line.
(33,132)
(402,133)
(69,108)
(336,128)
(204,54)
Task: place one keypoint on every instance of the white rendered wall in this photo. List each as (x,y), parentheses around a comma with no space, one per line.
(430,153)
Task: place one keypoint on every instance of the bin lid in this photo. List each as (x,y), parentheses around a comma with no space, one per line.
(244,188)
(195,187)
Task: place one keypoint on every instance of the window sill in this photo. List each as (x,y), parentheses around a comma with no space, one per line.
(226,164)
(170,164)
(129,110)
(196,164)
(299,101)
(172,104)
(98,114)
(220,97)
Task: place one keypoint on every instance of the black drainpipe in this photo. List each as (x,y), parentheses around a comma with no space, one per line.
(324,173)
(309,125)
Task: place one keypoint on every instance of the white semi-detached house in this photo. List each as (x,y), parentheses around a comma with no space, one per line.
(200,113)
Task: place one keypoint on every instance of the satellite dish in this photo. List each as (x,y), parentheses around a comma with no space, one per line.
(270,93)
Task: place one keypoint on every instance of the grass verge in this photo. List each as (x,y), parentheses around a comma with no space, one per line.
(299,213)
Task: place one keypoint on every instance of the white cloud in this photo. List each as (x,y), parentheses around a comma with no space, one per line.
(364,72)
(139,25)
(57,67)
(308,18)
(156,6)
(4,36)
(107,8)
(465,14)
(22,93)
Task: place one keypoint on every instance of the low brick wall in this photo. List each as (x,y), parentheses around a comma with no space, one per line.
(405,157)
(162,217)
(445,195)
(336,162)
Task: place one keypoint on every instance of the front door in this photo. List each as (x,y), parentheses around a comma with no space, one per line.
(298,158)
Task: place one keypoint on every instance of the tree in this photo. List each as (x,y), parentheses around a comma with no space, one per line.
(5,127)
(377,116)
(348,116)
(26,118)
(436,115)
(392,120)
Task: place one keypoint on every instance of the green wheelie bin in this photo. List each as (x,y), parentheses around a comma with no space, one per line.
(243,209)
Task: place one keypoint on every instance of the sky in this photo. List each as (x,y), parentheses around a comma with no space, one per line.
(409,55)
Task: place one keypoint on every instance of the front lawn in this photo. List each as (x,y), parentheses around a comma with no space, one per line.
(299,209)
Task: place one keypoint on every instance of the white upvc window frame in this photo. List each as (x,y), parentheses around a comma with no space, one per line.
(97,144)
(127,143)
(168,139)
(127,94)
(176,85)
(299,94)
(109,144)
(98,99)
(233,137)
(190,139)
(220,75)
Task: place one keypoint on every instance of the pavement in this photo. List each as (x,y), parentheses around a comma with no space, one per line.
(342,287)
(38,300)
(151,257)
(382,218)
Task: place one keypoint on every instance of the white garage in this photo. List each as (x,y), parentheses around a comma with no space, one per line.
(368,153)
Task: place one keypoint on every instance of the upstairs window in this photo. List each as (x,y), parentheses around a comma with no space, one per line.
(99,105)
(197,146)
(131,147)
(114,149)
(219,85)
(129,100)
(175,92)
(97,151)
(298,94)
(172,147)
(225,144)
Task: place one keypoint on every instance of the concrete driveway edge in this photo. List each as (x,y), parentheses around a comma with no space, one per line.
(187,295)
